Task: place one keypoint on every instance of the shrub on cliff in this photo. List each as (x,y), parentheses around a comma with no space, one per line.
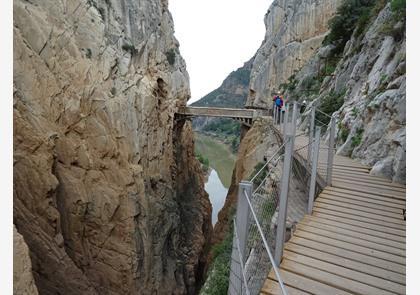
(218,279)
(349,15)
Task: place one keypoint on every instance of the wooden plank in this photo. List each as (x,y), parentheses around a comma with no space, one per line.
(340,164)
(356,228)
(355,276)
(307,285)
(363,194)
(355,256)
(381,186)
(361,224)
(271,287)
(331,279)
(346,172)
(383,205)
(351,240)
(351,247)
(370,190)
(343,168)
(362,216)
(354,234)
(367,178)
(348,263)
(362,208)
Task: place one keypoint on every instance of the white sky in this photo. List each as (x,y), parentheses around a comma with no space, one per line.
(216,37)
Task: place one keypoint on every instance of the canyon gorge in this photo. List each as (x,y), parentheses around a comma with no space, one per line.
(108,194)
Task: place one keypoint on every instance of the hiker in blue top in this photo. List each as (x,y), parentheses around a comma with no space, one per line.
(278,100)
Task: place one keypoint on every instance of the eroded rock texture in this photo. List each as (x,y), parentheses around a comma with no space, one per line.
(23,280)
(107,192)
(295,29)
(369,76)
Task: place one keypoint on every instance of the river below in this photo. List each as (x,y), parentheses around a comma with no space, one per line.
(221,162)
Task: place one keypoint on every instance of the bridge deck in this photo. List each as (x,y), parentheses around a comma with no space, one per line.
(217,112)
(353,243)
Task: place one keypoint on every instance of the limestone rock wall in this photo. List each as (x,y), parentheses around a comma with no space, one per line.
(107,192)
(370,78)
(374,112)
(23,280)
(295,29)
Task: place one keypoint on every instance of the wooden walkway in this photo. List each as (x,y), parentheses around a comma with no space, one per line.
(353,243)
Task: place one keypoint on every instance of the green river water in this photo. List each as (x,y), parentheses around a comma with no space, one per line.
(222,162)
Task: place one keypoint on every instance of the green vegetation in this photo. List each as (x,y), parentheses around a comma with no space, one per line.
(170,56)
(260,177)
(218,280)
(330,68)
(88,53)
(227,130)
(398,7)
(331,103)
(343,131)
(354,112)
(396,27)
(291,84)
(204,161)
(350,14)
(357,139)
(129,48)
(219,155)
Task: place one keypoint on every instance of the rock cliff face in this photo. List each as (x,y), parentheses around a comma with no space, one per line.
(107,192)
(23,280)
(368,80)
(295,29)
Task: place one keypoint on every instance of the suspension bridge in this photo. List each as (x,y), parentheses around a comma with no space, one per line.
(320,224)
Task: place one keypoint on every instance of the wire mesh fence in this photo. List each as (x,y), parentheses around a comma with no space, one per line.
(250,270)
(264,201)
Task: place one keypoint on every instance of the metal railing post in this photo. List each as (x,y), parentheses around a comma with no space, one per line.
(284,188)
(242,214)
(286,118)
(311,133)
(281,117)
(312,185)
(242,223)
(331,152)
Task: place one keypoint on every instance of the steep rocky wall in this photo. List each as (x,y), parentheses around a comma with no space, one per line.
(373,114)
(294,31)
(23,280)
(369,77)
(107,192)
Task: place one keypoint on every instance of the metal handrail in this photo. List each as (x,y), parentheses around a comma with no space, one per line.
(265,165)
(267,248)
(265,178)
(318,110)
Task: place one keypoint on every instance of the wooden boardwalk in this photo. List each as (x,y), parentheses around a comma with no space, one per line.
(353,243)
